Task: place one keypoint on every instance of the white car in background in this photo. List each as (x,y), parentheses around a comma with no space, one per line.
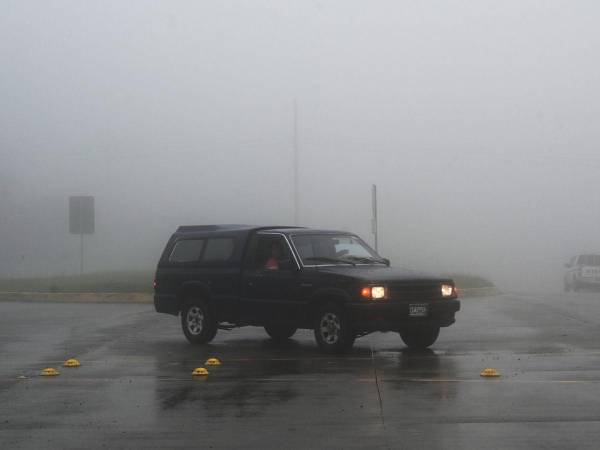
(583,271)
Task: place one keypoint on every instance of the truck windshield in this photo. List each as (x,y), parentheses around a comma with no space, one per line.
(589,260)
(328,249)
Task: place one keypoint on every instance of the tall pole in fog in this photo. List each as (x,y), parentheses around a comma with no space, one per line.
(81,254)
(374,208)
(295,162)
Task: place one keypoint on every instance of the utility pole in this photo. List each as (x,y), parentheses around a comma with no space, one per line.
(374,208)
(295,162)
(81,254)
(81,240)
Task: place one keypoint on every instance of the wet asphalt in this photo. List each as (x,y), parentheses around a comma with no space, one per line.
(134,388)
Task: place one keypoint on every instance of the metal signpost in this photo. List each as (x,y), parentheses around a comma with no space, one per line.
(81,220)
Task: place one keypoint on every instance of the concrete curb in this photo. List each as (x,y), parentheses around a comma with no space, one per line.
(77,297)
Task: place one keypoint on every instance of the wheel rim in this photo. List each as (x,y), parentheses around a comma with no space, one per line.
(195,320)
(330,327)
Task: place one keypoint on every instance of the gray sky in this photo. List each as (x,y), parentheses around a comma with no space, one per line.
(477,120)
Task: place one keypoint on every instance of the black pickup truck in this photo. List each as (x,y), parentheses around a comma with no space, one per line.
(285,278)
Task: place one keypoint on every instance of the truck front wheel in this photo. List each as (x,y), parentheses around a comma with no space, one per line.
(333,330)
(420,338)
(198,322)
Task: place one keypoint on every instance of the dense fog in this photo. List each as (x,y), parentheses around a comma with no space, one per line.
(476,120)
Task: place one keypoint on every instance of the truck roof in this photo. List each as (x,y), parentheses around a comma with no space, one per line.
(209,228)
(239,228)
(300,230)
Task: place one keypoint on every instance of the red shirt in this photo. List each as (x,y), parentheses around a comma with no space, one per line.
(272,263)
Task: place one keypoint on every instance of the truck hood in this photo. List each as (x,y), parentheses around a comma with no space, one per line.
(381,273)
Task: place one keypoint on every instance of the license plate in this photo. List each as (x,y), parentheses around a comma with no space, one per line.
(417,310)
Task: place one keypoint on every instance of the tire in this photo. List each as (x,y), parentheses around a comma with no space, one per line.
(333,331)
(420,338)
(280,331)
(198,322)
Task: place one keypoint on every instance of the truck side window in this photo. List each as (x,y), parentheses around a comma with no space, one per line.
(186,250)
(218,250)
(269,252)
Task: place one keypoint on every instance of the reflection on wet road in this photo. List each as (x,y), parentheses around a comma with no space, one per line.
(135,389)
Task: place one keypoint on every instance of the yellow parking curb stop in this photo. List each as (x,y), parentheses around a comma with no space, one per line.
(72,362)
(489,372)
(50,372)
(200,371)
(213,362)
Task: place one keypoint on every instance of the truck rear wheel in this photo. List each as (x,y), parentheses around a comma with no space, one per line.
(280,331)
(333,331)
(420,338)
(198,322)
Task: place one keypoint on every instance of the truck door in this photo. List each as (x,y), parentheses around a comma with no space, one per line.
(270,280)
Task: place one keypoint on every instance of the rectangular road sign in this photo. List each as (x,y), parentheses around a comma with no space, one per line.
(81,215)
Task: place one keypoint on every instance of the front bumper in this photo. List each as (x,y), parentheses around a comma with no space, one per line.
(587,281)
(392,315)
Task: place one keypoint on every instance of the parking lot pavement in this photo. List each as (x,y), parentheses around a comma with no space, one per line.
(134,388)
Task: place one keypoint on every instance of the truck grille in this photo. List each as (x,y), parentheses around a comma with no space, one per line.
(415,292)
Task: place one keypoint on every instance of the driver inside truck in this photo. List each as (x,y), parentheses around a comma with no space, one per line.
(273,261)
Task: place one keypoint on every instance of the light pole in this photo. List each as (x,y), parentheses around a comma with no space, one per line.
(374,208)
(295,162)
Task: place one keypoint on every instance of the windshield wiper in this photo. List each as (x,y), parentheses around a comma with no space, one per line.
(367,259)
(331,260)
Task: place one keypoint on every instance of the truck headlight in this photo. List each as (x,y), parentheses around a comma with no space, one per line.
(378,292)
(448,290)
(373,292)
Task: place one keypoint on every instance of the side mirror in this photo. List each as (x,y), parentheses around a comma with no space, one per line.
(386,261)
